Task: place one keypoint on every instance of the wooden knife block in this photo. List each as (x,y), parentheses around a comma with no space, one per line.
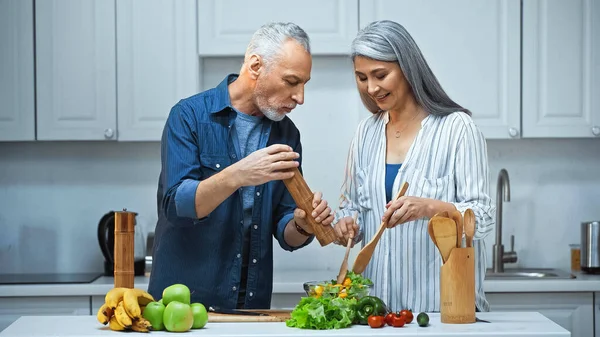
(303,197)
(457,287)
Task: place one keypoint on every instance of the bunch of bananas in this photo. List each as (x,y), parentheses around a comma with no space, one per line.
(122,309)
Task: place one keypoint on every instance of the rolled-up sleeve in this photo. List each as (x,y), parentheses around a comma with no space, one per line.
(180,164)
(472,180)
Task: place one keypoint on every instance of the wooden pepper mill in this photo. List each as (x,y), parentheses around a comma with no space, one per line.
(303,197)
(124,249)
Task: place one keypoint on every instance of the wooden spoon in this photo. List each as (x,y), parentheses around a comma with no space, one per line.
(444,230)
(458,218)
(344,267)
(365,254)
(469,226)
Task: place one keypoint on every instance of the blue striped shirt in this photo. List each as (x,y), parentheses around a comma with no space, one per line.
(206,254)
(447,161)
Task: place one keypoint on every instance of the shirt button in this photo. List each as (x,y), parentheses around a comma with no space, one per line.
(242,222)
(239,255)
(234,288)
(255,226)
(253,260)
(218,165)
(251,294)
(233,156)
(258,194)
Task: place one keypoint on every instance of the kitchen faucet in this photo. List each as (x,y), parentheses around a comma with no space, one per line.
(500,257)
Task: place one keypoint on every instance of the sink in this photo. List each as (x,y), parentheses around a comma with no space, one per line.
(528,273)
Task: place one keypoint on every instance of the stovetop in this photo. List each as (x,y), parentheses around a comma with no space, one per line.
(49,278)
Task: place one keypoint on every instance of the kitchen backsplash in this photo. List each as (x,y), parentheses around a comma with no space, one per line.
(52,196)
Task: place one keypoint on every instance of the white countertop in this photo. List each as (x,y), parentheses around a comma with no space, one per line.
(530,324)
(291,283)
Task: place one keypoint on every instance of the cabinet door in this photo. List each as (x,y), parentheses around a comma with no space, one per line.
(572,311)
(17,114)
(472,47)
(561,68)
(76,66)
(11,308)
(226,26)
(157,62)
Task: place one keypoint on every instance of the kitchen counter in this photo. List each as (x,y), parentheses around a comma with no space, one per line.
(291,283)
(531,324)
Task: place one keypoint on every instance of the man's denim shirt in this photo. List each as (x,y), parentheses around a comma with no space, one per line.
(205,254)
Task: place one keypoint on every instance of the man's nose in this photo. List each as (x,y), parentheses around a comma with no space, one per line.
(298,97)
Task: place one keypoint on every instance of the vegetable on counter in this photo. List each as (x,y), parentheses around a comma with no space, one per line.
(323,313)
(423,319)
(367,306)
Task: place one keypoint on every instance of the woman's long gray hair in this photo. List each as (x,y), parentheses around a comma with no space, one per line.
(389,41)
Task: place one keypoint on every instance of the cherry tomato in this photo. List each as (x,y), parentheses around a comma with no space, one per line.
(388,318)
(398,321)
(376,321)
(408,315)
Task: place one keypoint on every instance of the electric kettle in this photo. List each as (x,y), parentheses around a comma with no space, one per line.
(106,240)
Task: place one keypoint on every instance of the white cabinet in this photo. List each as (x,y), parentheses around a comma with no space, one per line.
(11,308)
(157,63)
(17,102)
(561,68)
(112,70)
(472,47)
(226,26)
(572,311)
(75,69)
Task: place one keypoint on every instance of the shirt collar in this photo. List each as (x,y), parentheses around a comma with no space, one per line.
(223,100)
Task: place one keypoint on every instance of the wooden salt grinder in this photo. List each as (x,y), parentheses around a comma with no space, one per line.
(303,197)
(124,248)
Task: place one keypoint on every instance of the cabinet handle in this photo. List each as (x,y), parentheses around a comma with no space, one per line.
(513,132)
(108,133)
(596,130)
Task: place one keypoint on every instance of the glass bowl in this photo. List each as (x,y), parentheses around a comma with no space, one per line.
(328,289)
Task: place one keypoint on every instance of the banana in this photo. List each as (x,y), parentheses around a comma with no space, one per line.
(134,299)
(104,314)
(122,316)
(113,297)
(141,325)
(113,324)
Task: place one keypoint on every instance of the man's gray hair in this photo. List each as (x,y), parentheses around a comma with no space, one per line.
(389,41)
(269,38)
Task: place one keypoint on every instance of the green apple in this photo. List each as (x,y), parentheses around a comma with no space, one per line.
(176,292)
(154,312)
(200,315)
(178,317)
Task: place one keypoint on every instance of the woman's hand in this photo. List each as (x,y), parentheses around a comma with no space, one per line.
(405,209)
(345,229)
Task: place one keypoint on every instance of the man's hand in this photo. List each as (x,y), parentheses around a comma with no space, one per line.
(321,212)
(265,165)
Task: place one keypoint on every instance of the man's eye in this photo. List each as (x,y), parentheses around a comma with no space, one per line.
(292,83)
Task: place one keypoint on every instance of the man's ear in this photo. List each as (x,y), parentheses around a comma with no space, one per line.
(255,66)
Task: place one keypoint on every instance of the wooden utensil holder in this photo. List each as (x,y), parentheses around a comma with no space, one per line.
(457,287)
(124,249)
(303,197)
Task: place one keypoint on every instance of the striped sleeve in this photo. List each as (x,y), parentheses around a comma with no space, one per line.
(472,180)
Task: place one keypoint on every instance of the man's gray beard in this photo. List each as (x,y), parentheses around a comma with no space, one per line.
(272,114)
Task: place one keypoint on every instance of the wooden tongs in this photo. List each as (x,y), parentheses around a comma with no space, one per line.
(365,254)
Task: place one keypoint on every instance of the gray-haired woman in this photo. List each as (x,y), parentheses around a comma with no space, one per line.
(416,134)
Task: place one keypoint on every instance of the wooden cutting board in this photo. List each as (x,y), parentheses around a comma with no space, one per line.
(274,316)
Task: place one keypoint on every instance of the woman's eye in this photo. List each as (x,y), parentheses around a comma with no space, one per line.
(362,79)
(381,77)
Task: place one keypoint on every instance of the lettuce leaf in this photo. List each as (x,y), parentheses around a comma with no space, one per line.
(323,313)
